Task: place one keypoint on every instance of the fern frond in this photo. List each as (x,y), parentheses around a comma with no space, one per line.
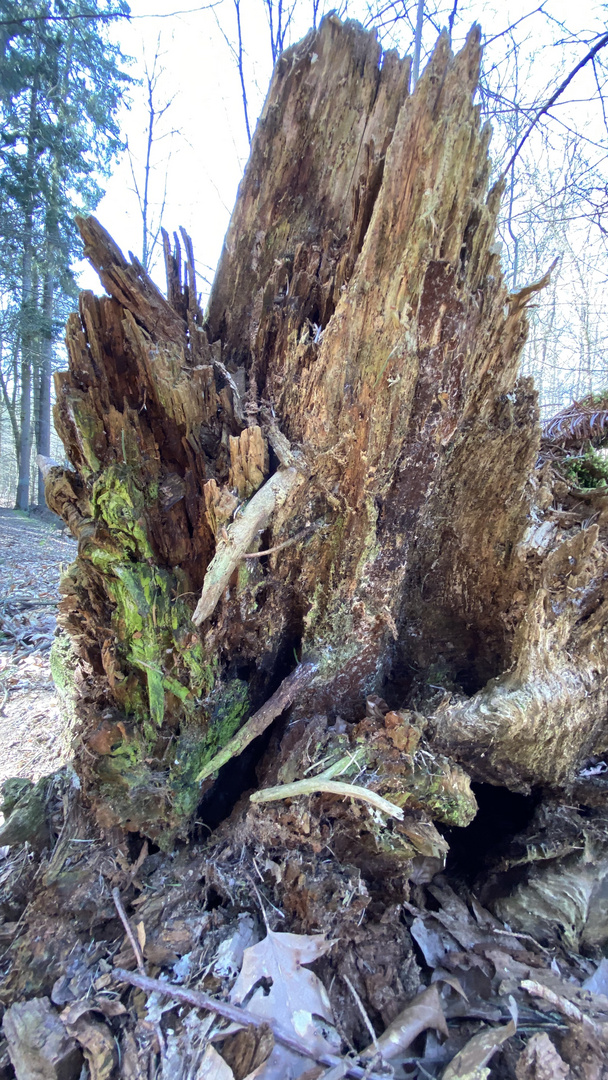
(582,421)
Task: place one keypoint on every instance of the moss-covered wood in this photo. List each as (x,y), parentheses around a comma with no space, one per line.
(350,404)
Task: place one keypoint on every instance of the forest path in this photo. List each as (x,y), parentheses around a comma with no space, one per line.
(32,552)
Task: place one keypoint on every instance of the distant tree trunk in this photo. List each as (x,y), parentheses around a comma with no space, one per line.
(28,306)
(25,437)
(43,445)
(10,400)
(327,490)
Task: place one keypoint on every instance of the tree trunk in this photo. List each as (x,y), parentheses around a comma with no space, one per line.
(43,431)
(25,437)
(28,310)
(326,490)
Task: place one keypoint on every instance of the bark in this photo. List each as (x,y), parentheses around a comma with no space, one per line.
(28,311)
(351,405)
(43,432)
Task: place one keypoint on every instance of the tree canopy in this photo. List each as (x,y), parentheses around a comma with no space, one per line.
(61,84)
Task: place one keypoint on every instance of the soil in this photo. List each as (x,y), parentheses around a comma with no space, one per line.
(32,552)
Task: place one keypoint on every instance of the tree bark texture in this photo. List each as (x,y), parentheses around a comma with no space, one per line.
(351,405)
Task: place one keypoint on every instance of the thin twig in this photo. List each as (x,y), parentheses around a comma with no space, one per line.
(139,956)
(361,1008)
(237,1015)
(545,108)
(317,784)
(278,547)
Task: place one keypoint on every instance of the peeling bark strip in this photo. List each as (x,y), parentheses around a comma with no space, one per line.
(358,369)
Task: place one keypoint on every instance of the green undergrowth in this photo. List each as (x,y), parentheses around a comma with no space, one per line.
(588,470)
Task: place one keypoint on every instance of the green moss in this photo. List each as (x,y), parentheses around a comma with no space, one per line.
(589,470)
(63,662)
(119,502)
(102,559)
(195,747)
(202,673)
(143,626)
(445,792)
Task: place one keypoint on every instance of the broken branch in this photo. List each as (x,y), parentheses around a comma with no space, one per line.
(278,547)
(317,785)
(260,719)
(236,1015)
(129,931)
(252,520)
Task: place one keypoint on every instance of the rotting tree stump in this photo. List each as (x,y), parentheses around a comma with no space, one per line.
(325,489)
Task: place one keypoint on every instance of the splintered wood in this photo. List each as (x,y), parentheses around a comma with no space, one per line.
(350,405)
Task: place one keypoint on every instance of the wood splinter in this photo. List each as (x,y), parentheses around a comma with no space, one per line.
(316,785)
(261,719)
(241,533)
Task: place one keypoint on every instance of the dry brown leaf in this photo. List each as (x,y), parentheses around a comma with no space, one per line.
(213,1066)
(470,1063)
(423,1012)
(439,975)
(541,1061)
(106,1005)
(98,1045)
(295,997)
(141,935)
(247,1049)
(435,943)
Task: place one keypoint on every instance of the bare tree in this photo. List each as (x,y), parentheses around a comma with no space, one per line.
(152,209)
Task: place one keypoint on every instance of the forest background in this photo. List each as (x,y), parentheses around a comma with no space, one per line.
(145,116)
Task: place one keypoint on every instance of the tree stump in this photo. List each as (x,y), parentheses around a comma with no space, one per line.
(319,502)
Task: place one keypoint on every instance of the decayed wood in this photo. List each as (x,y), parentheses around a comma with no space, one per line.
(355,390)
(257,724)
(239,537)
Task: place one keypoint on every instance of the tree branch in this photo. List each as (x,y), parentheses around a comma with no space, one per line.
(545,108)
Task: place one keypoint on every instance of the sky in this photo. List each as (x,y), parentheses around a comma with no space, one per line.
(204,146)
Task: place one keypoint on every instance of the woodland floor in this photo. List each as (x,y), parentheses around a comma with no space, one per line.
(32,552)
(417,959)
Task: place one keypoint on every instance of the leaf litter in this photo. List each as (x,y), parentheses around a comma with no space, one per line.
(349,973)
(31,720)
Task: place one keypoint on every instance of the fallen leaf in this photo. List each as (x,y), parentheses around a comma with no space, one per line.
(541,1061)
(439,975)
(141,935)
(470,1063)
(296,999)
(213,1066)
(435,942)
(423,1012)
(246,1050)
(230,953)
(98,1045)
(107,1006)
(598,982)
